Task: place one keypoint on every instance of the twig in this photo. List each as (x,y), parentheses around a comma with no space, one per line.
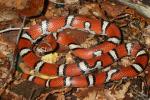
(59,3)
(141,8)
(12,29)
(11,57)
(23,23)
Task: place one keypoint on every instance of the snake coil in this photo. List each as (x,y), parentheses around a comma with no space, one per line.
(80,74)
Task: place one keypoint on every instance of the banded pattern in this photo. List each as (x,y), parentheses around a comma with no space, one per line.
(80,74)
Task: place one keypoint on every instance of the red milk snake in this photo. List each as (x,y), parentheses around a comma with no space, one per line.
(80,74)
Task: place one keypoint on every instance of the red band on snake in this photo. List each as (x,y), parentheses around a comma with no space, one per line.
(80,74)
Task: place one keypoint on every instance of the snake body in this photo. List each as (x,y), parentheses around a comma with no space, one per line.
(80,74)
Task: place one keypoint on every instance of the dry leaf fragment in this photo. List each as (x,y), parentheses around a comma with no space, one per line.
(71,1)
(8,95)
(113,9)
(7,14)
(33,8)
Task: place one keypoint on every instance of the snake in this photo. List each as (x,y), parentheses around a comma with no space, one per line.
(87,72)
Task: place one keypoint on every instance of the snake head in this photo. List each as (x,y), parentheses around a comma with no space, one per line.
(46,45)
(43,48)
